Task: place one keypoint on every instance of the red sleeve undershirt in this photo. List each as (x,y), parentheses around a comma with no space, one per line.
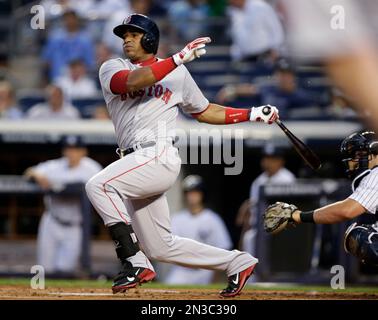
(232,115)
(118,83)
(162,68)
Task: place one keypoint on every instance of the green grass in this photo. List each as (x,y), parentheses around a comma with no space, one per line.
(52,283)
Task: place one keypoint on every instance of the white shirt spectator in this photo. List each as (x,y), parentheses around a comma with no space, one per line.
(206,227)
(84,87)
(255,29)
(42,111)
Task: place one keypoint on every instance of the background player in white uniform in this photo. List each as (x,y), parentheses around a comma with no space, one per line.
(198,223)
(60,231)
(273,164)
(143,95)
(360,151)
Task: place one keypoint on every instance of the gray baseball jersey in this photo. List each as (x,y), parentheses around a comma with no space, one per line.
(367,191)
(136,115)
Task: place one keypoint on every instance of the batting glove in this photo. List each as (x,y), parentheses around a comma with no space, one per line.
(192,50)
(267,114)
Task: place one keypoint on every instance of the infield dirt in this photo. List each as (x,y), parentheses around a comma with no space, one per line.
(56,293)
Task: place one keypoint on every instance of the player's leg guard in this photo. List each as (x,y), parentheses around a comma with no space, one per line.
(362,242)
(126,242)
(127,246)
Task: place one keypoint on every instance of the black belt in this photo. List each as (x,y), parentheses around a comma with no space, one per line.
(64,223)
(124,152)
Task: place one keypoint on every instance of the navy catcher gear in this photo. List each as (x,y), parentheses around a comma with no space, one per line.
(362,242)
(150,39)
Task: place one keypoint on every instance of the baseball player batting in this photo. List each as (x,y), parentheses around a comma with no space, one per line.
(360,152)
(141,93)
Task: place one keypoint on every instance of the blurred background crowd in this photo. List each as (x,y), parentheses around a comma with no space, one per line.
(247,62)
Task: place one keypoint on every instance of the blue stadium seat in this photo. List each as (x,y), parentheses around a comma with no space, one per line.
(87,105)
(26,102)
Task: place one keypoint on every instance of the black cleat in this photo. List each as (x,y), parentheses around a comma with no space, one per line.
(130,278)
(237,282)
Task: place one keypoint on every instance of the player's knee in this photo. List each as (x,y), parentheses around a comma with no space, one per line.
(92,186)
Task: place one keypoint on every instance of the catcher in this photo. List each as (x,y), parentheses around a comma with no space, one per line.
(360,157)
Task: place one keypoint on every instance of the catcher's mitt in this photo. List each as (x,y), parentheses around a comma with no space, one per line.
(278,217)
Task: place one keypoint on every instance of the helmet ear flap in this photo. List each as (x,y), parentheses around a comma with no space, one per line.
(148,43)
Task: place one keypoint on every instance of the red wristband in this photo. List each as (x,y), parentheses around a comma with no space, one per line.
(234,115)
(162,68)
(118,82)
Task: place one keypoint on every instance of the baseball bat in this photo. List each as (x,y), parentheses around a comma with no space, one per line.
(303,150)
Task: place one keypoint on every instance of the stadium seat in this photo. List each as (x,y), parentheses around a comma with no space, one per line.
(86,105)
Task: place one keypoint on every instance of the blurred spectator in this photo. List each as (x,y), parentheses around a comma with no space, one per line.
(198,223)
(284,93)
(111,42)
(100,112)
(256,31)
(103,53)
(68,44)
(77,84)
(189,18)
(56,8)
(105,8)
(8,107)
(56,108)
(90,9)
(274,172)
(60,232)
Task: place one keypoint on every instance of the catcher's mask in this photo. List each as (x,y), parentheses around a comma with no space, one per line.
(150,39)
(357,150)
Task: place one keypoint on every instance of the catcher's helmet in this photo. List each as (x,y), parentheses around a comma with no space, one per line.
(193,182)
(150,39)
(358,147)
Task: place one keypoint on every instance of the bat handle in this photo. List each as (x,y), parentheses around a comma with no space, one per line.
(281,125)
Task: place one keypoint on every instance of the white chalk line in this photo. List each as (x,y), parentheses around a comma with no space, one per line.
(106,294)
